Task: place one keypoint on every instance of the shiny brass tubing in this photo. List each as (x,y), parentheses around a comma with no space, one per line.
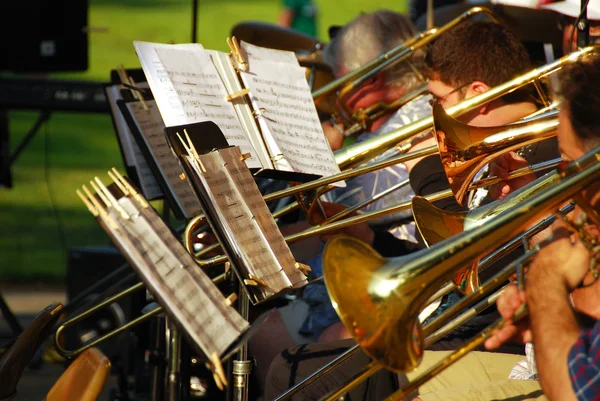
(154,312)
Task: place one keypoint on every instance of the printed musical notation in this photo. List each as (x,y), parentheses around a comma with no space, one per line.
(173,277)
(249,227)
(256,53)
(131,151)
(290,116)
(151,126)
(188,89)
(276,122)
(249,192)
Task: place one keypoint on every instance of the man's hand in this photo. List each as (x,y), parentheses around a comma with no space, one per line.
(562,261)
(360,231)
(508,303)
(501,167)
(333,134)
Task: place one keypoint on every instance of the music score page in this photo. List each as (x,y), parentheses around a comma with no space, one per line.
(151,126)
(174,278)
(249,226)
(288,117)
(188,89)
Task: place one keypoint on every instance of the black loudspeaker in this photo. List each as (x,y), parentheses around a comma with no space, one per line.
(45,35)
(88,266)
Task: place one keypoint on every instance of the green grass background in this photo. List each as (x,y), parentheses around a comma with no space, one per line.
(41,217)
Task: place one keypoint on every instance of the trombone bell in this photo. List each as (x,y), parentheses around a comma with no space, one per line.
(376,324)
(465,150)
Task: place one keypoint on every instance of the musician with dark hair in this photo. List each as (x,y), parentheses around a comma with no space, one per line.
(463,64)
(566,341)
(563,327)
(467,45)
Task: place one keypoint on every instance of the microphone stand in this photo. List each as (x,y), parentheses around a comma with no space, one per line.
(583,27)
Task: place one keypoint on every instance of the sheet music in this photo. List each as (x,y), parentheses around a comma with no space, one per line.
(290,117)
(242,106)
(240,209)
(151,126)
(252,53)
(188,89)
(249,191)
(131,151)
(174,278)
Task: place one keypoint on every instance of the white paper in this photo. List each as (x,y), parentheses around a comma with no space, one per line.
(151,126)
(131,151)
(243,212)
(188,89)
(253,53)
(174,278)
(290,117)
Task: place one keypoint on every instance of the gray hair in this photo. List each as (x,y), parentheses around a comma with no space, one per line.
(367,37)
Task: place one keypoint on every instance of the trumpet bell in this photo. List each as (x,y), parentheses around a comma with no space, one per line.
(352,280)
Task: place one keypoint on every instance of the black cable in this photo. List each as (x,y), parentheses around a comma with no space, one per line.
(575,25)
(59,225)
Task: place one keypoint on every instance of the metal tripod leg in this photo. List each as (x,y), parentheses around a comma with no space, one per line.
(242,366)
(156,360)
(173,340)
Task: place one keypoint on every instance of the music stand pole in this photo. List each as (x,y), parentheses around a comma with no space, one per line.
(173,340)
(583,27)
(194,20)
(242,366)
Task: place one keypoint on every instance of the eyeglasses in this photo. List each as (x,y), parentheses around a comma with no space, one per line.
(442,99)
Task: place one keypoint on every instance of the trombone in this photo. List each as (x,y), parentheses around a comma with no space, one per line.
(362,118)
(515,135)
(474,146)
(108,301)
(381,300)
(433,330)
(350,157)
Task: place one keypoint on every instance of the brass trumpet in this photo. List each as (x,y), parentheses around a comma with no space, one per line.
(380,301)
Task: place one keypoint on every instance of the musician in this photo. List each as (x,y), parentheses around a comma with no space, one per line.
(451,80)
(363,39)
(566,352)
(563,325)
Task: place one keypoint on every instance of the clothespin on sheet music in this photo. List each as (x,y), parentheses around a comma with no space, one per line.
(129,83)
(303,268)
(128,189)
(218,373)
(95,207)
(138,94)
(191,149)
(254,281)
(240,62)
(108,197)
(231,299)
(122,74)
(235,95)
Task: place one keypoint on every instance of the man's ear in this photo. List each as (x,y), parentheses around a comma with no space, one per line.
(477,88)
